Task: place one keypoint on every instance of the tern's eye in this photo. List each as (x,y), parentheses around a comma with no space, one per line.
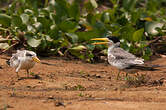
(28,54)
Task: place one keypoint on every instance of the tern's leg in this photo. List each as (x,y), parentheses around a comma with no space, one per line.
(117,78)
(17,69)
(27,73)
(17,75)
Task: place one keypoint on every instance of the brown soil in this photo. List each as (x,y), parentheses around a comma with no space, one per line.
(75,85)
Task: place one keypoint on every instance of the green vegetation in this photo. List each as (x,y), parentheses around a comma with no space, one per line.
(64,27)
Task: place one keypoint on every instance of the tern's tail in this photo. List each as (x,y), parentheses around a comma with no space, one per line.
(146,67)
(138,61)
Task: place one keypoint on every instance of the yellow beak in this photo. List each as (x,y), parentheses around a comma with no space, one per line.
(148,19)
(102,39)
(36,59)
(97,43)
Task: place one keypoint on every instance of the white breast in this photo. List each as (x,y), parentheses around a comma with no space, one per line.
(118,63)
(26,63)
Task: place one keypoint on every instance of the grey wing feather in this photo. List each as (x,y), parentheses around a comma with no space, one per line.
(122,54)
(20,53)
(14,60)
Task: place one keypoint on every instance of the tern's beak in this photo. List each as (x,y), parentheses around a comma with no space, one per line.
(36,59)
(102,39)
(147,19)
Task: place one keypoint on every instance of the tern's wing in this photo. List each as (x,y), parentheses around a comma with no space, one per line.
(20,53)
(122,54)
(15,59)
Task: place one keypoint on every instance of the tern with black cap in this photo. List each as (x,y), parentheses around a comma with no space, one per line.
(117,56)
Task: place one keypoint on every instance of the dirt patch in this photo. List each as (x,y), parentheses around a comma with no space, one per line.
(72,85)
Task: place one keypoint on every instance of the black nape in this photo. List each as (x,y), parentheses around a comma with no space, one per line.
(114,39)
(28,54)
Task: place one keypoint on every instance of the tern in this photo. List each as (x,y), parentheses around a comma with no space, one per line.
(23,59)
(117,56)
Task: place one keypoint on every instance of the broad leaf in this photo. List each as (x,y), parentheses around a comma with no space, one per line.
(137,36)
(46,23)
(5,20)
(76,51)
(67,25)
(78,48)
(127,32)
(25,18)
(32,41)
(150,27)
(38,26)
(61,7)
(73,36)
(48,38)
(16,21)
(106,17)
(94,3)
(31,28)
(129,5)
(74,10)
(85,36)
(4,45)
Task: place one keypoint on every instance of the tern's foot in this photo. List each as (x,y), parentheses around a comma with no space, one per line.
(19,78)
(117,77)
(35,76)
(17,75)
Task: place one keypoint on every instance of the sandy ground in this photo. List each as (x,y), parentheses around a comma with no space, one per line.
(58,84)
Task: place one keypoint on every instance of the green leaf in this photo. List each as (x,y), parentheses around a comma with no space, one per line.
(106,17)
(76,51)
(31,28)
(135,15)
(46,23)
(90,47)
(5,20)
(53,32)
(147,53)
(85,36)
(48,38)
(32,41)
(16,21)
(28,11)
(94,3)
(67,25)
(4,45)
(38,26)
(129,5)
(150,27)
(137,36)
(73,36)
(61,7)
(127,32)
(78,48)
(25,18)
(74,10)
(89,6)
(52,2)
(91,18)
(153,5)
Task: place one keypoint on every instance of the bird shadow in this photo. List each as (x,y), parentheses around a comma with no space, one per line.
(32,77)
(50,64)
